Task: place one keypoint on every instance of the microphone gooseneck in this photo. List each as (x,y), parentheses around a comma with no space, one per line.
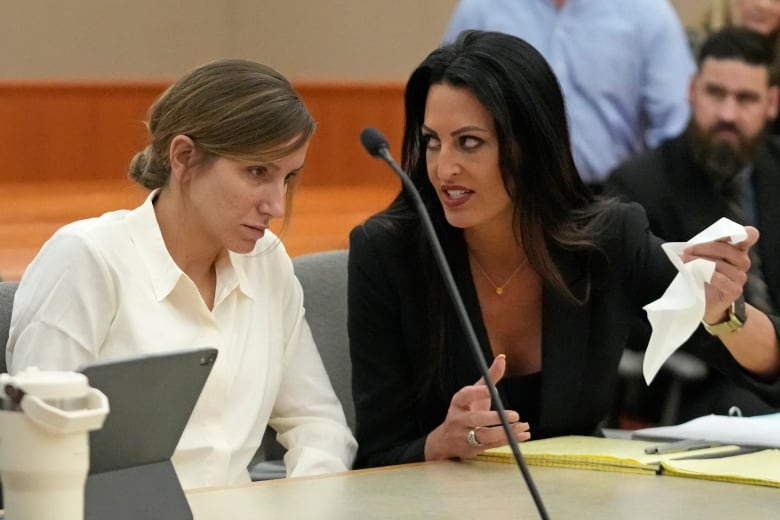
(376,144)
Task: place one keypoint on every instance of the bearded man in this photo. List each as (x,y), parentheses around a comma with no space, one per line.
(724,164)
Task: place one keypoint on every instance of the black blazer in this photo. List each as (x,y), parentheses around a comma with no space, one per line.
(680,199)
(581,344)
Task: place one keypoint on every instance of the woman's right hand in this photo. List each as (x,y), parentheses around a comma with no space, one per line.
(470,410)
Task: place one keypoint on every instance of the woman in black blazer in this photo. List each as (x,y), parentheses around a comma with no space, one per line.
(551,276)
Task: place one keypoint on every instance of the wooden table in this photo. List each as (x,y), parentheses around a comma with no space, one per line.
(485,491)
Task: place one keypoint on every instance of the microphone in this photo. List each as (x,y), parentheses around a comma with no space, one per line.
(376,144)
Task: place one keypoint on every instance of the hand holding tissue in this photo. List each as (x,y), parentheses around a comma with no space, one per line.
(678,312)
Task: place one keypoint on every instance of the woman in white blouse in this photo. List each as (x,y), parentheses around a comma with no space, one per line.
(196,265)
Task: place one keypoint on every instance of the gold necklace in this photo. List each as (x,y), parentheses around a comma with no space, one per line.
(499,288)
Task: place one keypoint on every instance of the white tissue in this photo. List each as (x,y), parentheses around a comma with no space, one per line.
(677,314)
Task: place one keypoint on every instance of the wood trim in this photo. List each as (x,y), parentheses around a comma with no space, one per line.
(342,111)
(78,131)
(85,131)
(65,147)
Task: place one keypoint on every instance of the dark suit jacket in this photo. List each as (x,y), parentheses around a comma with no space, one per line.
(581,344)
(680,200)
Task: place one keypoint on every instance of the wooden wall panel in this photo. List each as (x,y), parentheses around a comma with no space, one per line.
(342,111)
(64,151)
(79,131)
(90,131)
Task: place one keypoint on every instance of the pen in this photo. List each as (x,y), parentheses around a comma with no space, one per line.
(684,445)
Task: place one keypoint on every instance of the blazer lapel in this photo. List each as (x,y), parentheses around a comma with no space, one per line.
(565,335)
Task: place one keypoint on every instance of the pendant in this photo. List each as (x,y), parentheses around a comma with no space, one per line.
(499,291)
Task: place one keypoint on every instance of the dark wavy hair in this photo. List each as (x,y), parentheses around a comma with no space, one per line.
(516,85)
(552,206)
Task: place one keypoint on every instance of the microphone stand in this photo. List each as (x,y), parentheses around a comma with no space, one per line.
(377,146)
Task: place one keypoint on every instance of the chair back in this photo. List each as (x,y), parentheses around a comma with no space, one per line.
(7,291)
(323,277)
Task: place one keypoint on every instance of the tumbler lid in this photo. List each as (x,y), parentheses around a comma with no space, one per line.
(48,384)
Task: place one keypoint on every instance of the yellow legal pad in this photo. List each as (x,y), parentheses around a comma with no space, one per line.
(761,468)
(628,456)
(595,453)
(576,451)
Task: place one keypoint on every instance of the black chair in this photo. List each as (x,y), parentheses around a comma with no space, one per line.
(682,369)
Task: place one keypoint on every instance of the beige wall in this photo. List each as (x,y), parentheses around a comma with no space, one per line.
(691,11)
(316,39)
(311,39)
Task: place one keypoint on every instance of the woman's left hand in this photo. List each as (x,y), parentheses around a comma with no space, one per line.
(731,267)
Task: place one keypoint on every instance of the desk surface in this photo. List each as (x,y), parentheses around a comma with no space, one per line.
(484,490)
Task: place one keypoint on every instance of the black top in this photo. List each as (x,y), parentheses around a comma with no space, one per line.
(521,394)
(581,344)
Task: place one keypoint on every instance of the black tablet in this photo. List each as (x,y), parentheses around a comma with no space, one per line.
(150,399)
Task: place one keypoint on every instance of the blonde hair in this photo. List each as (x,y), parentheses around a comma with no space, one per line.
(230,108)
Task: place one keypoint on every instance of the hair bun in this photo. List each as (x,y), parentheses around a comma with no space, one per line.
(144,171)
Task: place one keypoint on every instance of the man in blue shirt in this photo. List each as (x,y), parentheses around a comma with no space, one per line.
(623,65)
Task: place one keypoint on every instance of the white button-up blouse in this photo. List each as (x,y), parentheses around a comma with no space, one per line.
(106,287)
